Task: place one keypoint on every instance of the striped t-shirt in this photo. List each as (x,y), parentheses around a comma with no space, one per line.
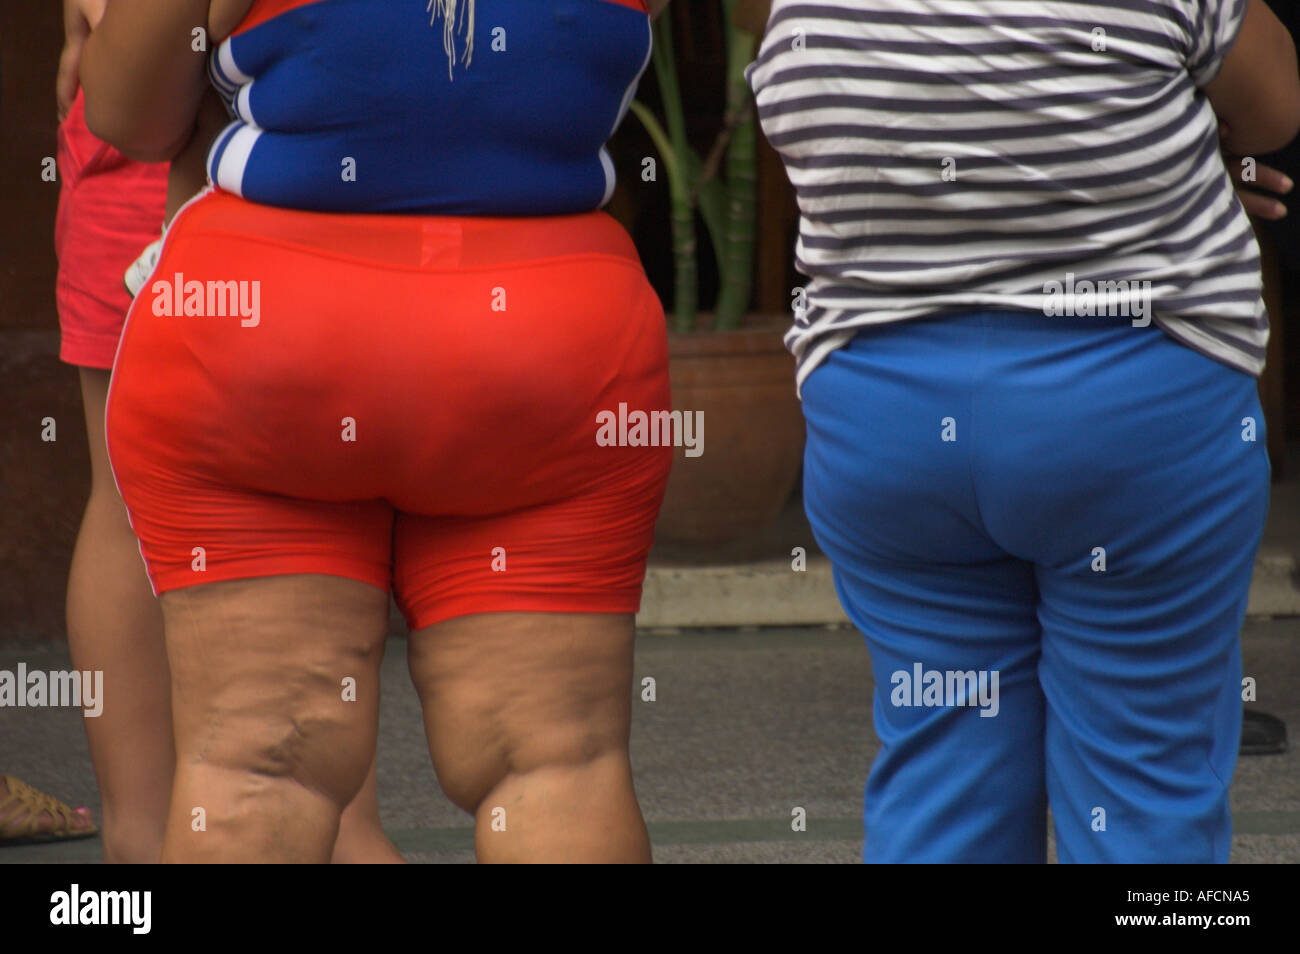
(1044,155)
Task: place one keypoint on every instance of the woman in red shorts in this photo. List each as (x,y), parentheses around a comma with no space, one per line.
(372,358)
(110,207)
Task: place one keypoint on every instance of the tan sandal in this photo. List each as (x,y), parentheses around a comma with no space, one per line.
(23,812)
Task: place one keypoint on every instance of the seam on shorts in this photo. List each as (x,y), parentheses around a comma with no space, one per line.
(108,398)
(248,239)
(982,363)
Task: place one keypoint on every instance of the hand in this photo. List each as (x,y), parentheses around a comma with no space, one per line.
(1267,179)
(79,18)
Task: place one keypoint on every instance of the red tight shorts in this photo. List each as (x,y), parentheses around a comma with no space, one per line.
(409,401)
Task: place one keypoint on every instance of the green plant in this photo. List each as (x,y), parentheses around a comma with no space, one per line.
(727,205)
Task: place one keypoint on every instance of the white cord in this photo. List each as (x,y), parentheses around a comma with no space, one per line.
(447,8)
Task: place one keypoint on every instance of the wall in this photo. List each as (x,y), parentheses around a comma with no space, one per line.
(43,485)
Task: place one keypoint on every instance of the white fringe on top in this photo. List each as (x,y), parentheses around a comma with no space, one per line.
(448,9)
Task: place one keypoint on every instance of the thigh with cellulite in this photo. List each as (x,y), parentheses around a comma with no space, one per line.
(276,708)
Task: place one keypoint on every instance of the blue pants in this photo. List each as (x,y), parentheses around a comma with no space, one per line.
(1064,513)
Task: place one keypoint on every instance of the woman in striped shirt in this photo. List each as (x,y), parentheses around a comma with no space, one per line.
(1027,355)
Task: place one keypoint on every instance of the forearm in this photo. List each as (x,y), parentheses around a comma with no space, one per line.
(142,77)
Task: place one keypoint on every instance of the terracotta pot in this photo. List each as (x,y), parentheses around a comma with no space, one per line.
(743,382)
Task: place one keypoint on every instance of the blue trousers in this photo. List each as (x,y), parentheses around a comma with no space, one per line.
(1045,529)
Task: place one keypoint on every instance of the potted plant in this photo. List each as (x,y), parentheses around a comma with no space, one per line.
(728,363)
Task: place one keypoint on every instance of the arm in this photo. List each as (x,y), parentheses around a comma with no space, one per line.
(80,17)
(143,79)
(1257,91)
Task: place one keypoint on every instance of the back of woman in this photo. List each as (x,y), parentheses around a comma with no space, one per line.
(1027,352)
(992,153)
(357,106)
(371,360)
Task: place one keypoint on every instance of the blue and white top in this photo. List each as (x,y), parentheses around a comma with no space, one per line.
(1014,154)
(355,106)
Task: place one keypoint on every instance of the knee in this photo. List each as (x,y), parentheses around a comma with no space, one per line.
(129,841)
(469,779)
(133,818)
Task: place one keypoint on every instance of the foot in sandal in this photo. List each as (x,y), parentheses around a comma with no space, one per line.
(29,817)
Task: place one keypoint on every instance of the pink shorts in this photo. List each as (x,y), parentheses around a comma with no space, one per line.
(110,208)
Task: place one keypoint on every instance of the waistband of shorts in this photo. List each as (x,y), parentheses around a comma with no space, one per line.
(421,241)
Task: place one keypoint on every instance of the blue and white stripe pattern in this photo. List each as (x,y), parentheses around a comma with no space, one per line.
(1075,139)
(520,130)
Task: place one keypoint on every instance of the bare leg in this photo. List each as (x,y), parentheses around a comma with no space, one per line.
(116,626)
(269,749)
(528,717)
(361,839)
